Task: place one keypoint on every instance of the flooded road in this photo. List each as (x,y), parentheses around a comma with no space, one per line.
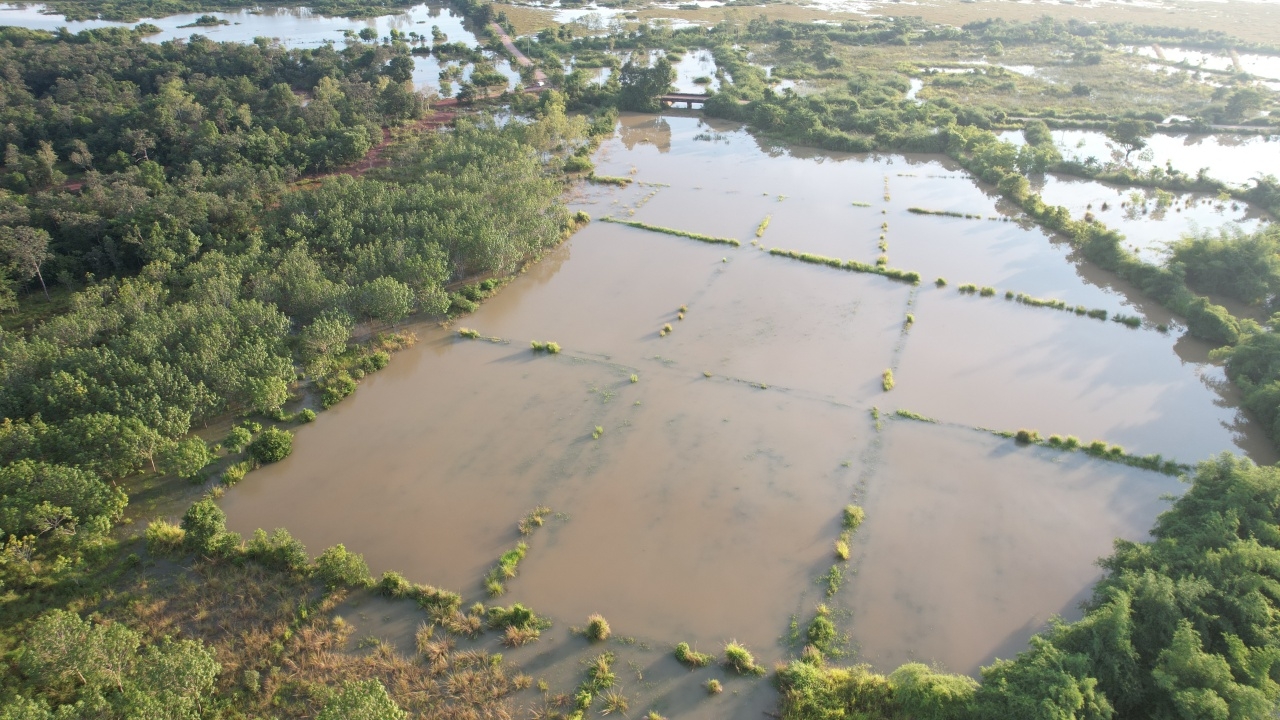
(698,475)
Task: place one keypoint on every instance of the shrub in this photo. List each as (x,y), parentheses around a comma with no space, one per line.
(237,439)
(692,658)
(394,585)
(1027,436)
(924,694)
(203,522)
(740,660)
(337,567)
(273,445)
(987,292)
(940,282)
(598,628)
(281,551)
(164,538)
(362,700)
(306,415)
(1097,447)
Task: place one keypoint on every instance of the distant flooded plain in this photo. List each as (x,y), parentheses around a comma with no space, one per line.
(698,476)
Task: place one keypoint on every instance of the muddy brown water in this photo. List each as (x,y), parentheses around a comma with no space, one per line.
(707,509)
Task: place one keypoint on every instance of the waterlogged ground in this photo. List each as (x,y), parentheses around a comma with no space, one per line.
(701,502)
(294,27)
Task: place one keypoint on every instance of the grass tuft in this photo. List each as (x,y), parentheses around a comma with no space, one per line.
(598,628)
(886,380)
(740,660)
(714,687)
(691,657)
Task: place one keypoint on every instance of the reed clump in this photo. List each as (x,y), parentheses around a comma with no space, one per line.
(740,660)
(609,180)
(690,657)
(533,520)
(598,628)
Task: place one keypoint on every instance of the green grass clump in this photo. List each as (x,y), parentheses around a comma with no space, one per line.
(609,180)
(842,549)
(714,687)
(533,520)
(740,660)
(764,224)
(987,291)
(1097,314)
(468,333)
(833,579)
(691,657)
(944,213)
(1130,320)
(164,538)
(1027,436)
(861,204)
(598,628)
(822,632)
(969,288)
(635,378)
(537,346)
(595,434)
(852,265)
(505,569)
(553,348)
(853,517)
(516,616)
(886,380)
(940,282)
(914,416)
(667,327)
(911,319)
(672,231)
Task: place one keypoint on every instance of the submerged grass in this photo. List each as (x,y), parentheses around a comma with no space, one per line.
(672,231)
(764,224)
(852,265)
(1101,450)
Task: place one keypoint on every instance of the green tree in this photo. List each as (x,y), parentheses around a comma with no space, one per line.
(203,523)
(384,299)
(186,458)
(271,445)
(362,700)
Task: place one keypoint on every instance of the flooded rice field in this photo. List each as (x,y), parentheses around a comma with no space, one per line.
(698,475)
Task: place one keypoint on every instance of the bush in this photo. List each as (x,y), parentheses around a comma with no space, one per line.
(237,439)
(306,415)
(281,551)
(362,700)
(337,568)
(235,473)
(821,633)
(273,445)
(923,694)
(187,458)
(203,522)
(1027,436)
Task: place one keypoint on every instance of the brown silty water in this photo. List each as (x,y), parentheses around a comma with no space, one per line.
(707,509)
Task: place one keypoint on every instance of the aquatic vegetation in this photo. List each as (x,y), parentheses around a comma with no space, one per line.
(614,702)
(821,633)
(672,231)
(533,520)
(518,637)
(1129,320)
(691,657)
(861,204)
(609,180)
(468,333)
(597,432)
(968,288)
(886,380)
(494,580)
(905,275)
(911,319)
(740,660)
(914,416)
(597,628)
(832,579)
(940,282)
(667,327)
(714,687)
(842,549)
(553,348)
(764,224)
(1027,436)
(852,517)
(635,378)
(944,213)
(987,291)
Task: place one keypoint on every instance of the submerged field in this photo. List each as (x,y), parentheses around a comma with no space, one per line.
(714,407)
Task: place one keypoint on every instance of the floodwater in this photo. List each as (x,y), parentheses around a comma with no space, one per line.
(1235,159)
(1148,219)
(700,502)
(293,28)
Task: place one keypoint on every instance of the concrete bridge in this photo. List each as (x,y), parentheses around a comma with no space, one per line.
(673,99)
